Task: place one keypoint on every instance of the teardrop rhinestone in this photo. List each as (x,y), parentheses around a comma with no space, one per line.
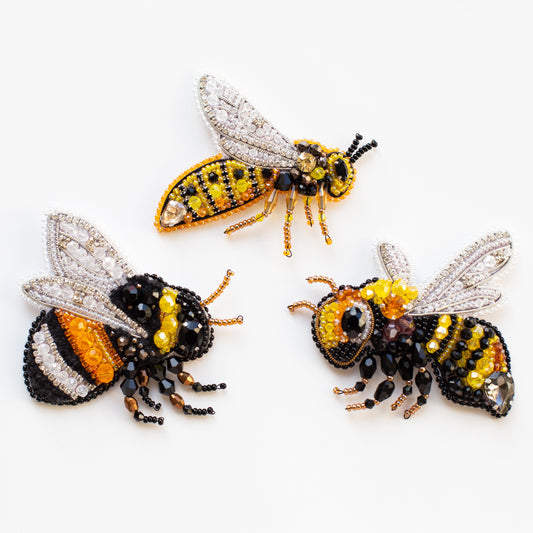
(384,390)
(173,214)
(499,389)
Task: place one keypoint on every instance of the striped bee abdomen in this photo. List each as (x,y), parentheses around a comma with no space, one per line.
(213,189)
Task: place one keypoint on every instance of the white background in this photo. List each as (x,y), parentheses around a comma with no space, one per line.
(98,116)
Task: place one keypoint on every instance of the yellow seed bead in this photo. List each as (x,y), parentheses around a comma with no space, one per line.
(259,217)
(242,185)
(432,346)
(195,202)
(287,253)
(288,217)
(215,190)
(169,324)
(161,339)
(330,317)
(441,332)
(322,217)
(445,321)
(329,328)
(167,304)
(318,173)
(328,240)
(475,379)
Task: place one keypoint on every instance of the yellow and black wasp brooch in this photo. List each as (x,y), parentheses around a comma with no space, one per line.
(257,161)
(107,324)
(386,323)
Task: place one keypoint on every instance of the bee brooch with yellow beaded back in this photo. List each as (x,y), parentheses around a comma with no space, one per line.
(258,162)
(106,324)
(388,321)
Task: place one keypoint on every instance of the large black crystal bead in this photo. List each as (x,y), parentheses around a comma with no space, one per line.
(157,371)
(341,169)
(130,371)
(166,386)
(388,364)
(405,368)
(419,356)
(284,181)
(191,334)
(353,322)
(128,387)
(384,390)
(423,382)
(129,294)
(174,365)
(367,367)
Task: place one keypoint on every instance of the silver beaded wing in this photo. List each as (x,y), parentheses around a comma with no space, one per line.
(394,262)
(461,286)
(86,268)
(241,130)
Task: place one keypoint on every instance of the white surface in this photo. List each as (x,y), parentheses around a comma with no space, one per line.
(98,116)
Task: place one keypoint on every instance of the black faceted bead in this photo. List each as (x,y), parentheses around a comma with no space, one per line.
(392,348)
(421,400)
(353,322)
(187,409)
(166,386)
(267,173)
(484,343)
(408,390)
(461,346)
(190,190)
(469,322)
(191,334)
(454,384)
(130,371)
(471,364)
(302,146)
(478,395)
(462,372)
(405,368)
(468,392)
(156,371)
(384,390)
(212,177)
(388,364)
(380,346)
(477,354)
(130,294)
(360,386)
(419,356)
(284,181)
(367,367)
(404,343)
(322,162)
(315,150)
(423,382)
(448,367)
(143,313)
(466,334)
(128,387)
(173,365)
(238,173)
(419,334)
(489,332)
(456,355)
(197,387)
(341,169)
(369,404)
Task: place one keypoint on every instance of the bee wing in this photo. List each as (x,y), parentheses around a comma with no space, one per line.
(78,251)
(242,131)
(81,299)
(460,286)
(395,262)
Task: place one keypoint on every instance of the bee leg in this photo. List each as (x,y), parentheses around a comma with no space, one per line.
(145,397)
(383,391)
(291,202)
(220,289)
(407,391)
(133,407)
(196,386)
(308,212)
(322,213)
(270,204)
(179,403)
(423,381)
(358,387)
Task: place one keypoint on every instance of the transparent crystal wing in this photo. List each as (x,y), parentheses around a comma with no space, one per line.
(394,262)
(243,133)
(459,288)
(77,250)
(81,299)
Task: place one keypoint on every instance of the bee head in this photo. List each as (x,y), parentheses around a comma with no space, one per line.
(173,317)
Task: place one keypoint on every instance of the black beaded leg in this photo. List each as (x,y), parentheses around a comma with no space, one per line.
(189,410)
(423,381)
(198,387)
(141,417)
(143,391)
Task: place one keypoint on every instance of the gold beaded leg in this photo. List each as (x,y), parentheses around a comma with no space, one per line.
(401,399)
(408,413)
(270,204)
(220,289)
(301,305)
(291,201)
(308,212)
(351,390)
(322,214)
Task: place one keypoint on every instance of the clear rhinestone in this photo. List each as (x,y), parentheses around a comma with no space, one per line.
(39,337)
(82,390)
(173,214)
(499,389)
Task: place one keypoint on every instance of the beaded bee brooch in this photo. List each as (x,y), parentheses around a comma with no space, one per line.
(258,162)
(387,320)
(105,323)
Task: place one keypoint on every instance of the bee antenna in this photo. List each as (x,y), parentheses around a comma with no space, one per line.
(365,148)
(355,143)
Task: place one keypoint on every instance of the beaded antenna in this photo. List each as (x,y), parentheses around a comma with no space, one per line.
(257,162)
(106,323)
(388,320)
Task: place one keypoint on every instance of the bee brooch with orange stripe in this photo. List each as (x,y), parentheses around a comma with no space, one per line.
(386,323)
(257,161)
(107,324)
